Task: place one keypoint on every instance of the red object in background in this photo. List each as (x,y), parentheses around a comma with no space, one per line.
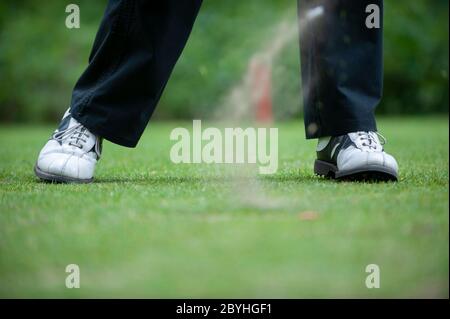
(261,89)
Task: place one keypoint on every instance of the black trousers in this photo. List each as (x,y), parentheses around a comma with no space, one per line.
(140,41)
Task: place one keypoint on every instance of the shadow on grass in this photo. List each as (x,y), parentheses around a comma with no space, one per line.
(204,180)
(201,179)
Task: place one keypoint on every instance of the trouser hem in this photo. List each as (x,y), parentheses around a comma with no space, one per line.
(341,128)
(104,132)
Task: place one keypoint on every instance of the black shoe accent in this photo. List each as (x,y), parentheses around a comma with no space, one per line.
(335,145)
(64,125)
(375,173)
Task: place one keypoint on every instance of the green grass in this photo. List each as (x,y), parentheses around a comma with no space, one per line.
(149,228)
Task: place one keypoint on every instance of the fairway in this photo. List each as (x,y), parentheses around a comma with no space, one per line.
(150,228)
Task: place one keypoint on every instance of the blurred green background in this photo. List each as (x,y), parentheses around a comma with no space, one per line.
(40,59)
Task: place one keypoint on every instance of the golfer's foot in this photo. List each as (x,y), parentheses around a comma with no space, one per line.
(70,155)
(355,156)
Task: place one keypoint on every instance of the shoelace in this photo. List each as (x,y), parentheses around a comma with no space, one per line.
(76,135)
(370,139)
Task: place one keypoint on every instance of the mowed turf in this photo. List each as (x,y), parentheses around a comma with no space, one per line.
(150,228)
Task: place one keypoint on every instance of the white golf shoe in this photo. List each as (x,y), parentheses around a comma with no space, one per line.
(355,156)
(70,155)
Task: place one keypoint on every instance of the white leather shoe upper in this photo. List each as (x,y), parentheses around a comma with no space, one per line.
(71,153)
(368,151)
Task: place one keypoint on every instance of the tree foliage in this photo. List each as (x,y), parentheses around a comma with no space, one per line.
(40,59)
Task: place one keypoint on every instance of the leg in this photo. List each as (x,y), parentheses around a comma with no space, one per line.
(342,68)
(136,48)
(342,76)
(134,53)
